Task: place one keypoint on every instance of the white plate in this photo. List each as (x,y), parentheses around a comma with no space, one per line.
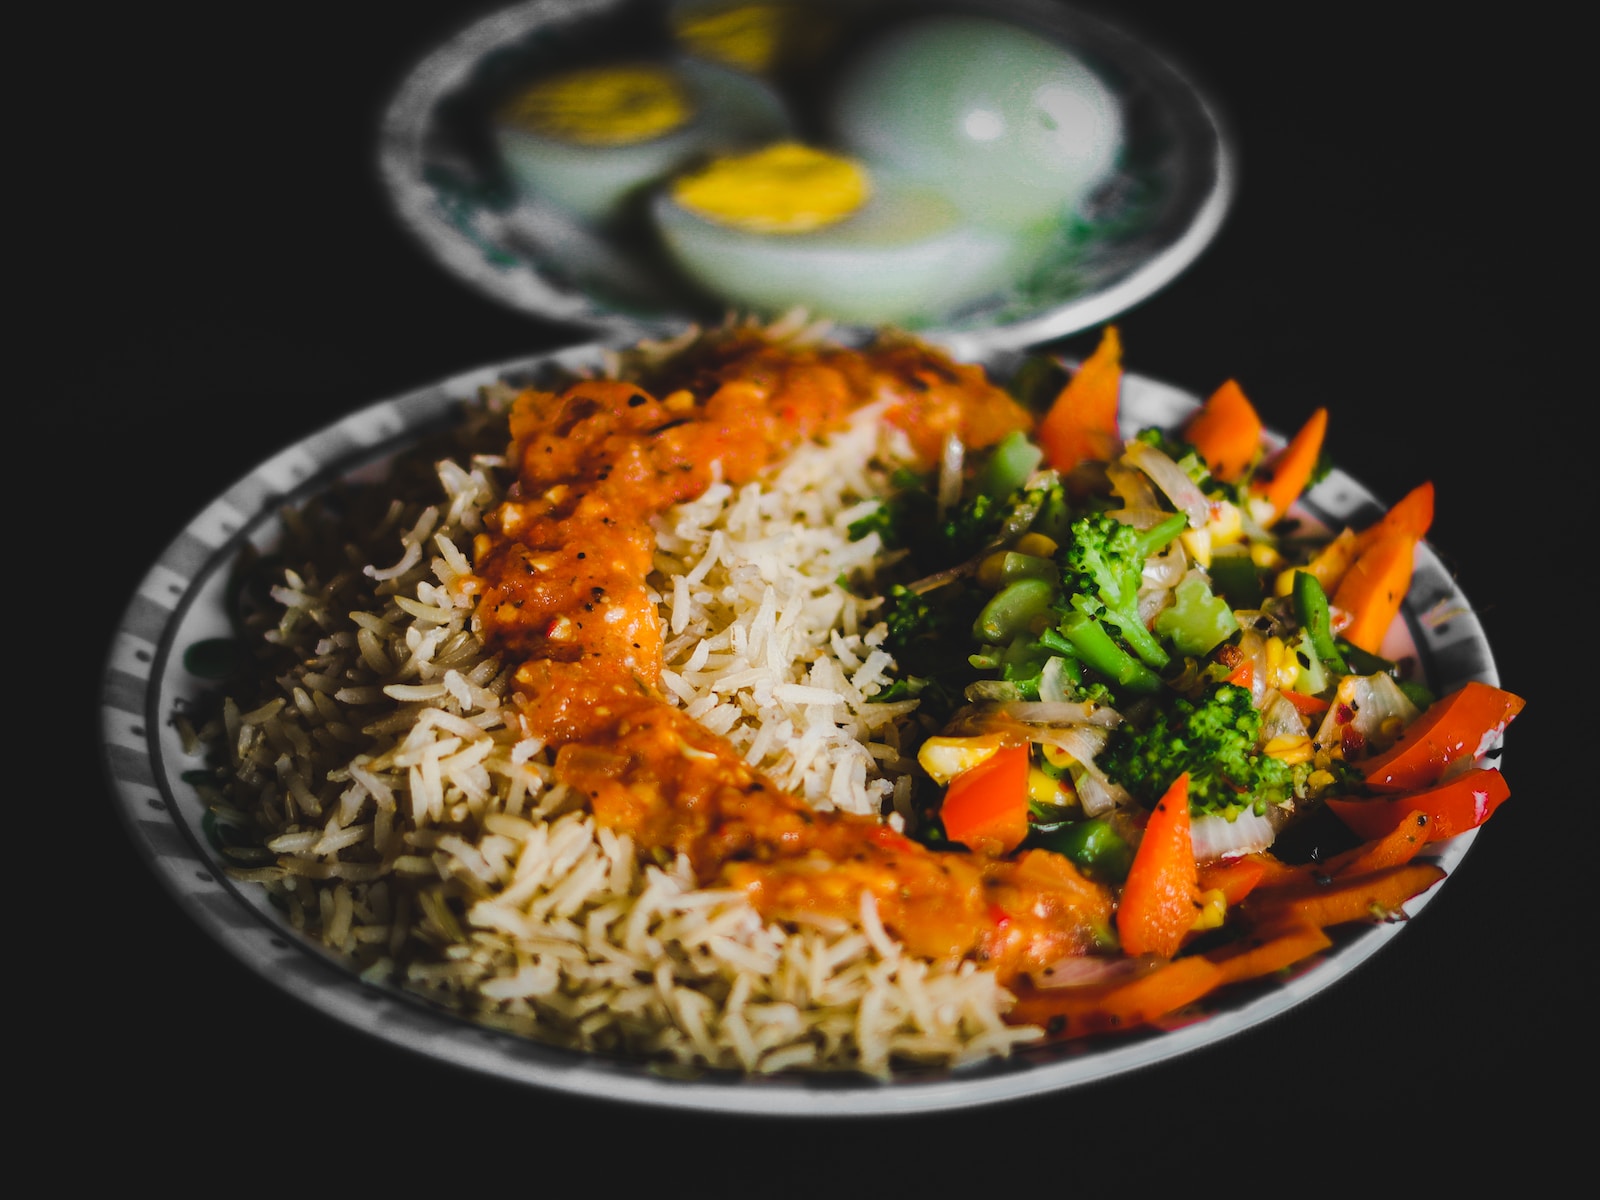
(180,605)
(1160,210)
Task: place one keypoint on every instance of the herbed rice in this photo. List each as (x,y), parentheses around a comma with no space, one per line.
(378,788)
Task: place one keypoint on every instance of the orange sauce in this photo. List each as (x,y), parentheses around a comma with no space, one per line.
(563,563)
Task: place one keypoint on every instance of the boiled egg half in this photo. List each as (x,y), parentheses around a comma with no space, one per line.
(792,225)
(1008,123)
(587,141)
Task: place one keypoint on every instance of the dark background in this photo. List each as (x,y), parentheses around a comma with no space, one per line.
(211,270)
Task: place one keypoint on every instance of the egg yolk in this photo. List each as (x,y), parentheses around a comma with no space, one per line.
(784,188)
(745,35)
(603,106)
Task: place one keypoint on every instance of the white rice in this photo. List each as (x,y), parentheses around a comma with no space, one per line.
(407,824)
(764,646)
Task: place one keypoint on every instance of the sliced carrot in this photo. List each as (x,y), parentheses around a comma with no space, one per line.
(1147,996)
(1322,902)
(1460,803)
(1081,424)
(1233,877)
(1263,953)
(1161,896)
(1226,430)
(1121,1004)
(1412,513)
(1452,727)
(1374,587)
(985,807)
(1274,871)
(1285,475)
(1395,848)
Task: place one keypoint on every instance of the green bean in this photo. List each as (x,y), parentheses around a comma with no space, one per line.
(1014,609)
(1015,565)
(1311,603)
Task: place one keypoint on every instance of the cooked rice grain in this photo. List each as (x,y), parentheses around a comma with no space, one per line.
(416,831)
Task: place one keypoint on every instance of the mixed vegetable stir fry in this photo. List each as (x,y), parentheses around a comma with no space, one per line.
(1131,653)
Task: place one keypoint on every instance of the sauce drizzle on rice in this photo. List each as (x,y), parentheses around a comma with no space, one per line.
(562,568)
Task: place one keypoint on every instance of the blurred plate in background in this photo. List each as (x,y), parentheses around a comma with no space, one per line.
(1158,208)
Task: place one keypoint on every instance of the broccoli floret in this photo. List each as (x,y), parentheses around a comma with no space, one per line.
(1214,739)
(969,526)
(928,635)
(1102,568)
(909,520)
(915,620)
(909,506)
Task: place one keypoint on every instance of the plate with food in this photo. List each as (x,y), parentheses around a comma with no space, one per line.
(990,175)
(775,718)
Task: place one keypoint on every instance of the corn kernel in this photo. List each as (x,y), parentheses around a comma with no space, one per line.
(992,571)
(1283,668)
(1057,757)
(1198,543)
(1261,510)
(1289,748)
(1265,556)
(1390,728)
(1036,544)
(1224,524)
(1213,910)
(943,758)
(1043,788)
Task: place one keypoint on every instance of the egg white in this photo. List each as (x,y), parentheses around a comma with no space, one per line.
(1009,124)
(906,257)
(596,184)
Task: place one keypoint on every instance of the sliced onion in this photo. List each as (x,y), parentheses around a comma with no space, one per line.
(1062,712)
(1135,490)
(1140,518)
(1172,479)
(992,691)
(951,463)
(1055,684)
(1254,647)
(939,578)
(1280,718)
(1081,742)
(1168,569)
(1081,970)
(1162,573)
(1151,602)
(1218,837)
(1365,703)
(1097,794)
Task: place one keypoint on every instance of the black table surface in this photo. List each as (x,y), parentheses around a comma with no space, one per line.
(219,272)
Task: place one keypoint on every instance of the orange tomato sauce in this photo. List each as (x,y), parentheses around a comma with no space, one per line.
(563,563)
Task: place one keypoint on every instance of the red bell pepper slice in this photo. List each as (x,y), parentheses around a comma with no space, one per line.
(985,807)
(1456,726)
(1461,803)
(1235,878)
